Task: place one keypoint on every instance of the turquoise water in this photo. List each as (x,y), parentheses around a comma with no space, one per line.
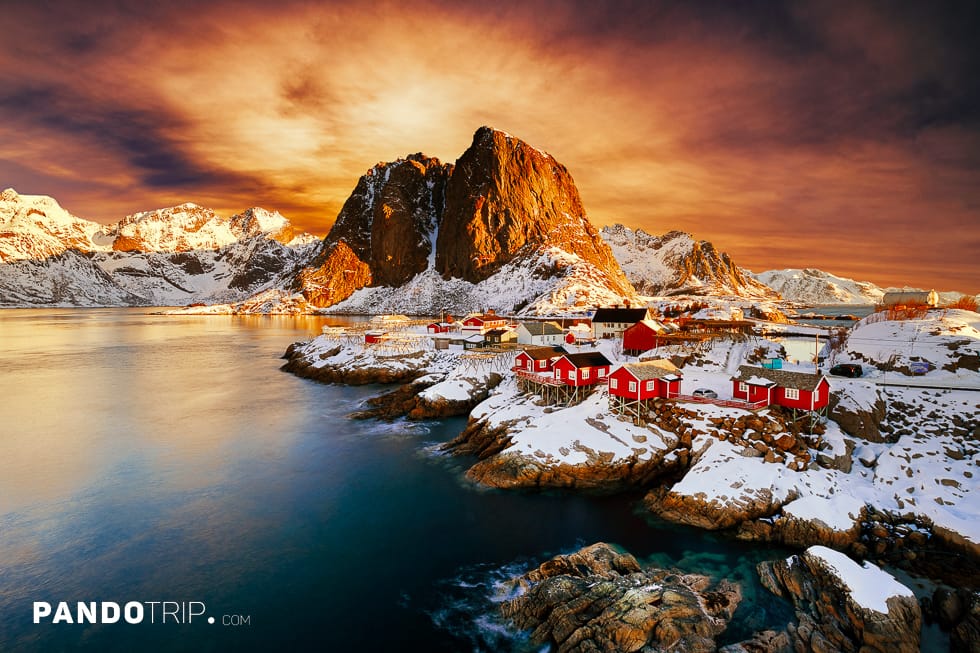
(151,458)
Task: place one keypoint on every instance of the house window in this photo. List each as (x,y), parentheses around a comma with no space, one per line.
(743,386)
(602,372)
(632,386)
(571,375)
(585,374)
(650,384)
(792,393)
(613,383)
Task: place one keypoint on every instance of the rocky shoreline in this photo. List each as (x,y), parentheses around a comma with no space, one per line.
(655,458)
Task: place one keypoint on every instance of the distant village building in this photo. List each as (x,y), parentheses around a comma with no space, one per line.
(483,322)
(447,325)
(642,336)
(910,298)
(374,336)
(501,336)
(633,385)
(786,388)
(539,333)
(579,334)
(612,322)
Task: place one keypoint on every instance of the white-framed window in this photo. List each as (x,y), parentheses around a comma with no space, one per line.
(632,386)
(792,393)
(613,383)
(571,375)
(602,372)
(585,373)
(650,385)
(743,386)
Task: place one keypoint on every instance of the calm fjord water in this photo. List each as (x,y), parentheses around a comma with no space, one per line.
(154,458)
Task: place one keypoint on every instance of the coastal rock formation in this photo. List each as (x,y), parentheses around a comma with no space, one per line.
(844,606)
(599,599)
(677,264)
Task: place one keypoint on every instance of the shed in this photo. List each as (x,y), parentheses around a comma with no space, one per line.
(787,388)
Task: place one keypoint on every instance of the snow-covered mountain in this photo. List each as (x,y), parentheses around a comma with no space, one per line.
(676,264)
(179,255)
(811,286)
(503,227)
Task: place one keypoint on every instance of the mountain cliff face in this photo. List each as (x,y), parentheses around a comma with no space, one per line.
(171,256)
(676,264)
(419,236)
(812,286)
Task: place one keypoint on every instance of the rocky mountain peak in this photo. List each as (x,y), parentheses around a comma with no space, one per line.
(676,263)
(506,199)
(503,202)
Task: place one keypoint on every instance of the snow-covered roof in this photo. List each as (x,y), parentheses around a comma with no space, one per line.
(653,325)
(660,368)
(783,378)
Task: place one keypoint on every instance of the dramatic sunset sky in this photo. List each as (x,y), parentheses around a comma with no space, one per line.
(838,135)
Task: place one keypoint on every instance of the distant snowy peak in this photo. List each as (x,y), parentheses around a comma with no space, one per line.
(812,286)
(37,227)
(178,255)
(677,264)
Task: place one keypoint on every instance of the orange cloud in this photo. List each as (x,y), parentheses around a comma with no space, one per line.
(789,135)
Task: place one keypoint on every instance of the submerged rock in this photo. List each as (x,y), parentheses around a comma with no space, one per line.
(600,599)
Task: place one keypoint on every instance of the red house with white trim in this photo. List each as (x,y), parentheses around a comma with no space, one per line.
(641,337)
(537,360)
(786,388)
(586,368)
(647,380)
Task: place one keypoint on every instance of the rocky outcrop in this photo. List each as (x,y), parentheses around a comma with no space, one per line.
(303,366)
(880,616)
(502,468)
(335,274)
(695,510)
(407,401)
(599,599)
(857,416)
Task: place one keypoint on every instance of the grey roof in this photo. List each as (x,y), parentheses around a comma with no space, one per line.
(542,328)
(655,369)
(782,378)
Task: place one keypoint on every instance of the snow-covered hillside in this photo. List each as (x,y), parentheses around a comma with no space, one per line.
(179,255)
(811,286)
(946,341)
(549,283)
(676,264)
